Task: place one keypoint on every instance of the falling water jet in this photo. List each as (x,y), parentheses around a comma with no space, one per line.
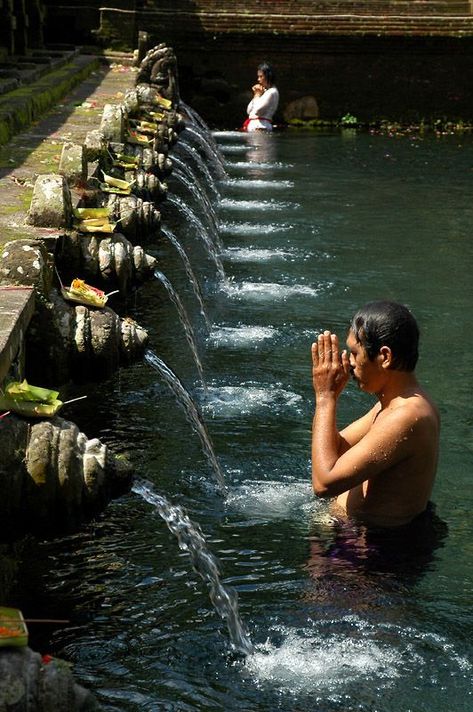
(195,176)
(207,208)
(191,540)
(192,413)
(201,231)
(195,157)
(198,122)
(194,117)
(211,152)
(176,300)
(169,235)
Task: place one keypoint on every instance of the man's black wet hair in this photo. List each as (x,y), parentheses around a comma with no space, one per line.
(268,72)
(384,323)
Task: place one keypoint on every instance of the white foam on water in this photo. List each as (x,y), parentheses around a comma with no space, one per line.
(253,254)
(263,291)
(256,164)
(331,656)
(246,399)
(310,662)
(250,228)
(234,148)
(270,499)
(258,183)
(231,204)
(241,336)
(230,134)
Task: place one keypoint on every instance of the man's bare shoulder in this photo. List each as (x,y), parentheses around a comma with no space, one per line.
(413,412)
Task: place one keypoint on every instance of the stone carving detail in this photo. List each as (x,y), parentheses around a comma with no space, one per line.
(28,682)
(66,342)
(111,259)
(159,68)
(138,218)
(53,477)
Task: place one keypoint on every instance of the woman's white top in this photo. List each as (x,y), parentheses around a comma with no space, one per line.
(261,110)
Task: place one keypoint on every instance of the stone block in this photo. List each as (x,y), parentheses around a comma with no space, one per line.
(51,204)
(112,125)
(73,165)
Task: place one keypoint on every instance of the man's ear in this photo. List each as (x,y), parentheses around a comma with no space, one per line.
(385,357)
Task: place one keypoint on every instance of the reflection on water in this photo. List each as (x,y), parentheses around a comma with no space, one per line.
(341,617)
(345,556)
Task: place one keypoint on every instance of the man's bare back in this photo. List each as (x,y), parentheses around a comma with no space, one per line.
(381,468)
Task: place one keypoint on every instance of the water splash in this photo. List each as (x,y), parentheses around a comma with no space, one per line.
(257,183)
(250,228)
(234,148)
(253,254)
(230,134)
(191,540)
(335,655)
(231,204)
(242,336)
(254,164)
(169,235)
(263,291)
(246,399)
(202,231)
(191,411)
(271,499)
(326,665)
(188,330)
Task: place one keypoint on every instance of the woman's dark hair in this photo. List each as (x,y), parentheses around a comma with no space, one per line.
(268,72)
(384,323)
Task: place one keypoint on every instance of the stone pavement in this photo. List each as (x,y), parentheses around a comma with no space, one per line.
(35,151)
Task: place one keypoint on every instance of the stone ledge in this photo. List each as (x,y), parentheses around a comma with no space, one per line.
(16,309)
(19,108)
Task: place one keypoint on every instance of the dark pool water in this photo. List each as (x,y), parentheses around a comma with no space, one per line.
(341,619)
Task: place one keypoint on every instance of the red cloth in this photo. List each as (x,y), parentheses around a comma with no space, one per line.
(254,118)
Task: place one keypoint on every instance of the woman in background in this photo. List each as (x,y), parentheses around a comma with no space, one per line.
(264,103)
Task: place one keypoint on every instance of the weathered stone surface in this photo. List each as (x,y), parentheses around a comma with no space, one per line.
(112,125)
(72,164)
(139,219)
(102,341)
(16,310)
(51,204)
(95,146)
(52,476)
(305,108)
(133,341)
(25,263)
(27,682)
(112,259)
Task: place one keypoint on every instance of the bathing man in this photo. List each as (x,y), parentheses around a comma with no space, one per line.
(381,468)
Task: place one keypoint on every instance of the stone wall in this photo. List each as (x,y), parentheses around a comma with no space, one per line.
(397,60)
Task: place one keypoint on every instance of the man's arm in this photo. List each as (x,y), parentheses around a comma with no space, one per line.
(382,447)
(342,461)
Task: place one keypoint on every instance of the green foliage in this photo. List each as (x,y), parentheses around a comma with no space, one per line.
(349,121)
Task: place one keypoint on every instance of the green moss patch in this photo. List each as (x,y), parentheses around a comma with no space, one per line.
(19,108)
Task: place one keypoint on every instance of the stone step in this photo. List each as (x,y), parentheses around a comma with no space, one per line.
(186,23)
(314,7)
